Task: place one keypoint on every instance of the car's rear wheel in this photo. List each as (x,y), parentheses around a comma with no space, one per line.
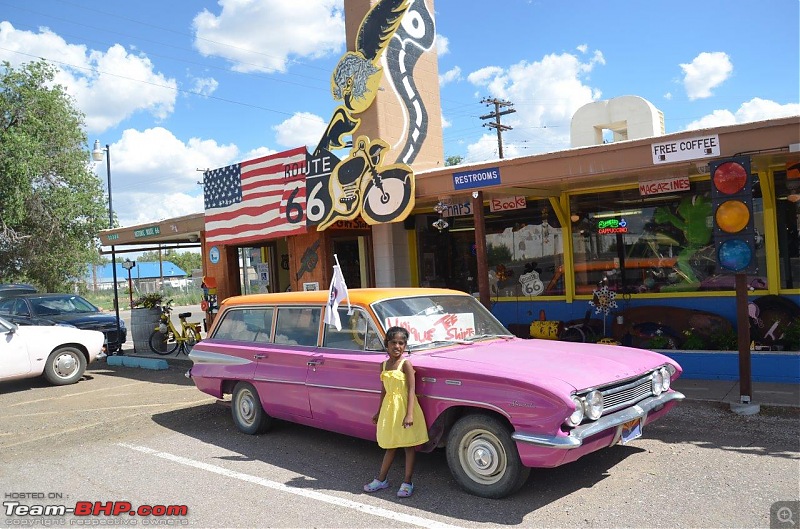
(64,366)
(248,414)
(483,458)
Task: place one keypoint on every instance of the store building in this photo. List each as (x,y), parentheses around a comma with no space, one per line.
(535,236)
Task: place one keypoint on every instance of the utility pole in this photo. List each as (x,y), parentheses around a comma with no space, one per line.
(498,104)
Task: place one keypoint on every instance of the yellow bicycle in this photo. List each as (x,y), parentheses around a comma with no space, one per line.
(166,338)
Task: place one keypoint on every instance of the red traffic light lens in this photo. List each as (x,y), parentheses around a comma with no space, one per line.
(729,178)
(732,216)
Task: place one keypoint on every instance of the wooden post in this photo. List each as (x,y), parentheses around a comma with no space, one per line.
(743,327)
(480,250)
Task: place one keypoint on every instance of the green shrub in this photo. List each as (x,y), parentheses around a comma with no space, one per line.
(724,340)
(791,336)
(693,340)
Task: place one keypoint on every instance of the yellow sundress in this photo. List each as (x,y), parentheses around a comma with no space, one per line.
(391,433)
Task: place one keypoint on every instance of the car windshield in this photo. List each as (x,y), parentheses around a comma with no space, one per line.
(55,305)
(436,320)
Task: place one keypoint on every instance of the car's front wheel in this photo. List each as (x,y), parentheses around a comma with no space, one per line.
(483,458)
(248,414)
(64,366)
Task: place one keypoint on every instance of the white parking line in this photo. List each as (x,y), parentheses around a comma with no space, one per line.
(341,502)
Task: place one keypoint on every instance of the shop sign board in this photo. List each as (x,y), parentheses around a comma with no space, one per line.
(507,204)
(686,149)
(665,185)
(489,176)
(147,232)
(459,209)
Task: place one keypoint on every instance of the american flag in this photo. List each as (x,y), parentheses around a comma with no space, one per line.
(246,202)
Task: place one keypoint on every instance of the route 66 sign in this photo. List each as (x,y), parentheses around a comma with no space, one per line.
(531,284)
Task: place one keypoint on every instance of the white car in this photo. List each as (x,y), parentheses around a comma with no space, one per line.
(60,353)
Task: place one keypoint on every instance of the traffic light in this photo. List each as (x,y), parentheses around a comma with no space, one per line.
(732,209)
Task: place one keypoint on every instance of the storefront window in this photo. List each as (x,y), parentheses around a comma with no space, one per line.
(787,193)
(524,247)
(656,243)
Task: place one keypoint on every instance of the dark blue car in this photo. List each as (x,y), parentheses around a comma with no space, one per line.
(63,309)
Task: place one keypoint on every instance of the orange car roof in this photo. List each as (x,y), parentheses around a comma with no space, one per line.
(358,296)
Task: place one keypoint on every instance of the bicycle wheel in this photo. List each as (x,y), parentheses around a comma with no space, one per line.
(191,339)
(163,344)
(573,334)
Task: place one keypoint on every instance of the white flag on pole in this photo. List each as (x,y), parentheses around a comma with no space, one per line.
(337,293)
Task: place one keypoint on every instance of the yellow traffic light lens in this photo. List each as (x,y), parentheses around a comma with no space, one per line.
(732,216)
(729,178)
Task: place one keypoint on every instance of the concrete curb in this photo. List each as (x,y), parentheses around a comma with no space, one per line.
(133,361)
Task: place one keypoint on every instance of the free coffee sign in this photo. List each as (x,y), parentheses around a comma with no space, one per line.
(686,149)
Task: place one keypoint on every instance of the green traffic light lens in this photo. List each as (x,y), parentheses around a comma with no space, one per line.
(730,178)
(732,216)
(734,255)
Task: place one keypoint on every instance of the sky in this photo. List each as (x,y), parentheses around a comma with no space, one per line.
(176,87)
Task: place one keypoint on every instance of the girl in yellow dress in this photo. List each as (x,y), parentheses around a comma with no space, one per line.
(400,421)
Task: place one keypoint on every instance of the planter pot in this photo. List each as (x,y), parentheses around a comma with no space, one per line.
(143,322)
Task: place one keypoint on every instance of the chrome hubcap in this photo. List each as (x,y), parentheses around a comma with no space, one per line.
(65,365)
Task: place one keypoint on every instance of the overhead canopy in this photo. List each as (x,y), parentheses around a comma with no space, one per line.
(175,232)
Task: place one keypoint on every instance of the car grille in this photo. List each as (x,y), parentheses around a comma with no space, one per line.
(111,336)
(627,394)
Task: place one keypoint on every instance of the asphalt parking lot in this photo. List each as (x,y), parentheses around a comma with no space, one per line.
(150,438)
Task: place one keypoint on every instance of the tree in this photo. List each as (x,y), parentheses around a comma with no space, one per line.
(51,205)
(453,160)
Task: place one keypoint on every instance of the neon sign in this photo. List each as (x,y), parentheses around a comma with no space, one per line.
(610,226)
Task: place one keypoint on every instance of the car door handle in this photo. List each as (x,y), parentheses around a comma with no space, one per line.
(314,362)
(259,356)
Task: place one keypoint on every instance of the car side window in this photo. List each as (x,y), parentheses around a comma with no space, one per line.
(358,333)
(6,306)
(246,325)
(297,325)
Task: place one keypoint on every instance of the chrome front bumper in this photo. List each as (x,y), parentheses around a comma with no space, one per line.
(584,431)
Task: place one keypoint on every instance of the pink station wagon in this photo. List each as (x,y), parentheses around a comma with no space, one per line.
(498,404)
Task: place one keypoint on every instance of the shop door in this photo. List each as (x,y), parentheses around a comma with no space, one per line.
(355,260)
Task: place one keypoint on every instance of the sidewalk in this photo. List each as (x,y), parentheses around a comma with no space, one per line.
(764,393)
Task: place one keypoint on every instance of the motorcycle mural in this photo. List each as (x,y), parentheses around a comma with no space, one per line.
(361,183)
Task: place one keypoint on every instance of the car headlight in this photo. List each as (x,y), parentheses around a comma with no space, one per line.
(594,404)
(665,379)
(658,382)
(577,416)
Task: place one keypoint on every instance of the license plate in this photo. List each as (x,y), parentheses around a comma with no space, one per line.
(631,430)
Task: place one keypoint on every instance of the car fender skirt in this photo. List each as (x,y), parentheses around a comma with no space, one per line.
(584,431)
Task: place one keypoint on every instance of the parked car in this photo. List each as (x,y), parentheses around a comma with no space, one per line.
(12,289)
(498,404)
(64,309)
(58,352)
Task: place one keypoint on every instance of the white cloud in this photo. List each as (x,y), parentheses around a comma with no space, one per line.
(107,86)
(154,174)
(442,45)
(545,95)
(303,128)
(263,35)
(445,122)
(205,86)
(706,71)
(453,74)
(756,109)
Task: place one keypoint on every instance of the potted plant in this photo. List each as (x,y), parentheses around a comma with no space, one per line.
(145,316)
